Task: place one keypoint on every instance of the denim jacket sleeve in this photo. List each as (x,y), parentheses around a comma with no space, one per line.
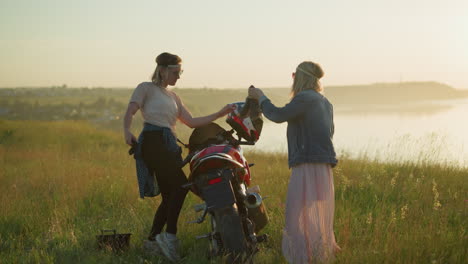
(290,111)
(332,121)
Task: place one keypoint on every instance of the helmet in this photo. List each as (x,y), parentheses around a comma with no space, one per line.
(246,120)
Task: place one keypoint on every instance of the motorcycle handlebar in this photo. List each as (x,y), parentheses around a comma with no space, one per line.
(251,143)
(228,136)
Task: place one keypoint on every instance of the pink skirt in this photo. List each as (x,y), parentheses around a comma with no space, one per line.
(308,235)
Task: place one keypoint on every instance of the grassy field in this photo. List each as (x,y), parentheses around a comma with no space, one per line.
(62,182)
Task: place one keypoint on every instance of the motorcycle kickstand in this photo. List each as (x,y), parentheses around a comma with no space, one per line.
(209,235)
(201,218)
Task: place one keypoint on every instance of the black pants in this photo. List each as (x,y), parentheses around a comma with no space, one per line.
(166,166)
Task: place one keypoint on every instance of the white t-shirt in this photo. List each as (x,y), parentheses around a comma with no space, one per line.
(158,106)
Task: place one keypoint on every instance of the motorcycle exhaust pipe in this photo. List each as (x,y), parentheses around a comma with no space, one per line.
(256,210)
(253,200)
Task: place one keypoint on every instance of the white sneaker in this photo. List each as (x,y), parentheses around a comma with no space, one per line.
(152,247)
(169,247)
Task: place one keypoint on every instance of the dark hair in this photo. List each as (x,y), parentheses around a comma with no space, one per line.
(163,60)
(166,58)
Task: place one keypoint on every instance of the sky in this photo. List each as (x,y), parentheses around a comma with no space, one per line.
(232,44)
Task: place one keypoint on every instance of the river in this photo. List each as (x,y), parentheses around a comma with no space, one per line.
(436,131)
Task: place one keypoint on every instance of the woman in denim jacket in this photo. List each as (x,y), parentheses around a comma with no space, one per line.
(308,235)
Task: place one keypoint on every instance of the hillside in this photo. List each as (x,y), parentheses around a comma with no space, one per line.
(62,182)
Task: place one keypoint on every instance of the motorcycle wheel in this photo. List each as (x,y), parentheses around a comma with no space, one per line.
(229,226)
(216,244)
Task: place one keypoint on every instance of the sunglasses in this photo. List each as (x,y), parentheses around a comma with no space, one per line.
(177,73)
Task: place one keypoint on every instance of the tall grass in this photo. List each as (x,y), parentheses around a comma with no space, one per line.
(62,182)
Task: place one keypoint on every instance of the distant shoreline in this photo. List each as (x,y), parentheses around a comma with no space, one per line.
(347,86)
(381,97)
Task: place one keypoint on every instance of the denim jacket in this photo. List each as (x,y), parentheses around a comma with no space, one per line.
(310,127)
(147,184)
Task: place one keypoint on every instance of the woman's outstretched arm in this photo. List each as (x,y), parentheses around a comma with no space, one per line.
(193,122)
(282,114)
(278,114)
(131,110)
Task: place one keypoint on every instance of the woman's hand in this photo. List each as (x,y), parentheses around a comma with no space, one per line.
(129,138)
(255,93)
(226,110)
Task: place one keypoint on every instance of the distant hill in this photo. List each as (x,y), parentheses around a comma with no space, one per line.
(106,106)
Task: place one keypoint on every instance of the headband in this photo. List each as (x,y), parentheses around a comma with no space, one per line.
(307,73)
(170,65)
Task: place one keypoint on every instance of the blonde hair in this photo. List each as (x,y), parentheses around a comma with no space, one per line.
(157,78)
(307,77)
(163,61)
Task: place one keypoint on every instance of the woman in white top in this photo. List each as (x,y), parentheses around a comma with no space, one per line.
(161,108)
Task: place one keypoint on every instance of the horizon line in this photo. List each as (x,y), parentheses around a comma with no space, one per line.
(65,86)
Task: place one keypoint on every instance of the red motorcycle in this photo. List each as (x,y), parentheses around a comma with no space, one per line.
(220,176)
